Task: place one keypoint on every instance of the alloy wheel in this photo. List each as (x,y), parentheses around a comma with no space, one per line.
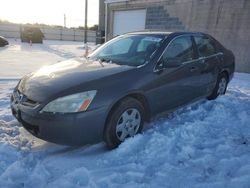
(128,124)
(222,86)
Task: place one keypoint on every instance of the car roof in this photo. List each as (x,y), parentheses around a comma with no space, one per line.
(149,33)
(161,33)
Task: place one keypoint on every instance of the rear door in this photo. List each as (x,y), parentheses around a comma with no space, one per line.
(209,60)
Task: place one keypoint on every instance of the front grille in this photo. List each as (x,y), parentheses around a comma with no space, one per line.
(29,102)
(20,98)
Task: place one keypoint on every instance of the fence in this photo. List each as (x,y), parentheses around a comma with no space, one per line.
(10,30)
(13,31)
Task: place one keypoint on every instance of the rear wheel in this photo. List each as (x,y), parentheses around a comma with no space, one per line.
(220,87)
(126,120)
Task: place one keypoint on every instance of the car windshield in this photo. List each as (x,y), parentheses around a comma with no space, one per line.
(131,50)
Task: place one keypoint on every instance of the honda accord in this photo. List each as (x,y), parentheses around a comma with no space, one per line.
(123,83)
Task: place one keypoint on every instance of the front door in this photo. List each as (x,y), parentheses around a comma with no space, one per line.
(175,86)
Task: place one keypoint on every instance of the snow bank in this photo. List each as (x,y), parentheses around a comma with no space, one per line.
(206,144)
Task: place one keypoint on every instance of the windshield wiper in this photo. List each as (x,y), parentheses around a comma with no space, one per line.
(100,61)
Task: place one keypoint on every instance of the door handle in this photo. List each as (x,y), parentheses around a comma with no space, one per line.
(193,69)
(202,59)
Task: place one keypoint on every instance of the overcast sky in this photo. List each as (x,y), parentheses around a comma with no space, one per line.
(49,11)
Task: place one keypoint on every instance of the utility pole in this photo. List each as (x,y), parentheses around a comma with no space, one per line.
(86,22)
(64,16)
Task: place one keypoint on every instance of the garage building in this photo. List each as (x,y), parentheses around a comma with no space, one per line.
(226,20)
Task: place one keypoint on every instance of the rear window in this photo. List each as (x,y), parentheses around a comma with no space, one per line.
(205,45)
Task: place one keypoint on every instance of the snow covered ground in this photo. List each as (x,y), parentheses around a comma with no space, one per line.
(18,59)
(206,144)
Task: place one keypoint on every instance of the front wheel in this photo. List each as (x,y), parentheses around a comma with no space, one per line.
(126,120)
(220,87)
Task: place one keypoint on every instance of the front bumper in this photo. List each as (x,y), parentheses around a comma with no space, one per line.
(66,129)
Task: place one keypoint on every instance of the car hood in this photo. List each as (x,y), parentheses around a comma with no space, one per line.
(51,80)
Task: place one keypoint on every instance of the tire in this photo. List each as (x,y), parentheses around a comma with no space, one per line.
(126,118)
(220,87)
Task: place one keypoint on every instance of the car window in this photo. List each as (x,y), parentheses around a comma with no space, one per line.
(131,50)
(219,47)
(180,49)
(120,47)
(205,46)
(142,46)
(123,46)
(148,43)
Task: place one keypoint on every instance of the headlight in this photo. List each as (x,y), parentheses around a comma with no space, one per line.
(72,103)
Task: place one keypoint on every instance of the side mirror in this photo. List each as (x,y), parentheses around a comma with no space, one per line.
(168,63)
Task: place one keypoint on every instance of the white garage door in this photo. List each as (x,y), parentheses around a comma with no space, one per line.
(129,20)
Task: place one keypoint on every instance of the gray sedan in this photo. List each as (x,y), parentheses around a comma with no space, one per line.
(123,83)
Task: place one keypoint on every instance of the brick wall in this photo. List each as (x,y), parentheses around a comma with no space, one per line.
(226,20)
(158,18)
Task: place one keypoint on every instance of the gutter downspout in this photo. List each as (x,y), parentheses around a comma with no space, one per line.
(106,22)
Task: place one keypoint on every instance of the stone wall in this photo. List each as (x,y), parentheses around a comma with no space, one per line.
(226,20)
